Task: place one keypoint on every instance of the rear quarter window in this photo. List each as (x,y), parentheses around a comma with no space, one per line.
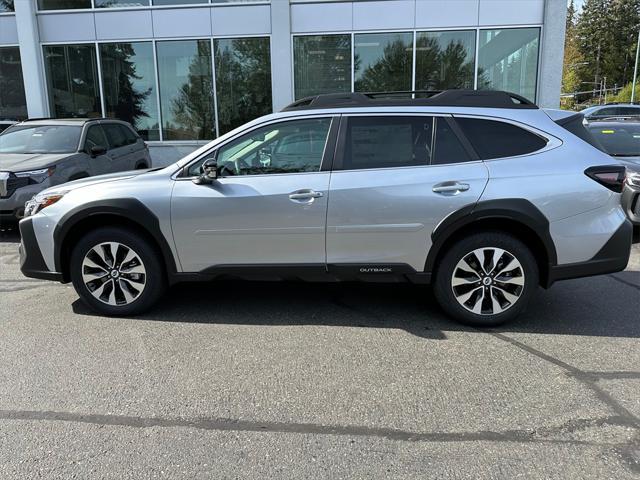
(495,139)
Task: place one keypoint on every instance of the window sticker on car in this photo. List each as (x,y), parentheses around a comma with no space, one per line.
(608,131)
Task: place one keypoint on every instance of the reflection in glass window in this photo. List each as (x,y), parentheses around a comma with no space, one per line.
(63,4)
(6,6)
(186,89)
(445,60)
(72,80)
(508,60)
(13,104)
(321,64)
(286,147)
(121,3)
(243,80)
(129,83)
(178,2)
(383,62)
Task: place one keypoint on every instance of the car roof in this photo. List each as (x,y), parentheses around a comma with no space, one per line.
(69,121)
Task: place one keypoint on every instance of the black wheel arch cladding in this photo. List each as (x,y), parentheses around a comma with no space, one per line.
(130,209)
(511,209)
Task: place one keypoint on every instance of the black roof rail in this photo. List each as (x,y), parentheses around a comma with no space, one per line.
(445,98)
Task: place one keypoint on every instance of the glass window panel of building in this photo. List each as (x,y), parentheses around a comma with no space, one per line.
(13,104)
(72,80)
(120,3)
(383,62)
(186,89)
(243,80)
(321,64)
(63,4)
(6,6)
(445,59)
(508,60)
(178,2)
(129,83)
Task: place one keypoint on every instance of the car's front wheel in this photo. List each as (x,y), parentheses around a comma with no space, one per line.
(116,271)
(486,279)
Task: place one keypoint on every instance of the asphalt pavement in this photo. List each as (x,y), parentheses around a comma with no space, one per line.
(285,380)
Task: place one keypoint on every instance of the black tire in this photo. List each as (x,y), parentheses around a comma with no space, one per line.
(154,276)
(526,273)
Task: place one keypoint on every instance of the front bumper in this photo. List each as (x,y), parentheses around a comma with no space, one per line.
(32,263)
(12,207)
(612,257)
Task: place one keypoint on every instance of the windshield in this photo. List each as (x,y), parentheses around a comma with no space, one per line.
(621,140)
(40,139)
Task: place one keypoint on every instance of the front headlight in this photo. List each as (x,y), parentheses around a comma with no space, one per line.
(42,200)
(37,176)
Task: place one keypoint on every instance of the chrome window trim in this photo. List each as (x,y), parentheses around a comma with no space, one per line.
(331,116)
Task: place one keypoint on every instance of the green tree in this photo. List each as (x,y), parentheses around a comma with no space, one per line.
(193,105)
(624,95)
(606,32)
(573,59)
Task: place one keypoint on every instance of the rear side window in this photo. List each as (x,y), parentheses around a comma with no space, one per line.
(115,135)
(387,142)
(494,139)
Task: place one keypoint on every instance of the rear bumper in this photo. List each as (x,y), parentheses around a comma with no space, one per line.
(32,263)
(612,257)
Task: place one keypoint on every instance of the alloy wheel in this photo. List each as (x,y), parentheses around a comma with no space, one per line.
(488,281)
(114,273)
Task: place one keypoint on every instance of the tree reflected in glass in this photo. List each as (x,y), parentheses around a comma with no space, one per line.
(129,85)
(383,62)
(243,80)
(186,89)
(322,64)
(445,60)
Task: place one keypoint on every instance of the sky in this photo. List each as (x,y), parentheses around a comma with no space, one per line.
(578,4)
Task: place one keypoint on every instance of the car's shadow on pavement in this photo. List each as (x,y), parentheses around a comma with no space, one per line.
(600,306)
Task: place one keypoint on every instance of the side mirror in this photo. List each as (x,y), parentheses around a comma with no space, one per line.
(97,150)
(209,172)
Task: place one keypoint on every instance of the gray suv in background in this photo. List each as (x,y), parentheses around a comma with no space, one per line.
(38,154)
(480,193)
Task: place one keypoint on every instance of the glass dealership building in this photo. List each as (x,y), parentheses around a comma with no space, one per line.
(185,71)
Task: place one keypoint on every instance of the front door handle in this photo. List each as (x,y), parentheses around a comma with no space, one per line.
(305,195)
(451,188)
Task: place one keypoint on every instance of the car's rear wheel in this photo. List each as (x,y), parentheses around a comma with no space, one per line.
(486,279)
(117,272)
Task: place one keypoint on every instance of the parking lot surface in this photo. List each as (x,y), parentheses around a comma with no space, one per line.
(283,380)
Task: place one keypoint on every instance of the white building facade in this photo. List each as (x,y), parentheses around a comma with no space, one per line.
(185,71)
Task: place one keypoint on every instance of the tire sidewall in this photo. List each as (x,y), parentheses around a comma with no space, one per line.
(155,276)
(443,289)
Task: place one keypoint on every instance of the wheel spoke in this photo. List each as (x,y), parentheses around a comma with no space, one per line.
(512,265)
(511,280)
(464,298)
(477,307)
(495,258)
(134,269)
(509,296)
(479,255)
(457,281)
(495,304)
(126,289)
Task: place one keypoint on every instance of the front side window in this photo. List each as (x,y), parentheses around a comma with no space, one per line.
(296,146)
(387,142)
(40,139)
(72,79)
(129,85)
(383,62)
(186,89)
(508,60)
(321,64)
(493,139)
(115,135)
(13,104)
(95,138)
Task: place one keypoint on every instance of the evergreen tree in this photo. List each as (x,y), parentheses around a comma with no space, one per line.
(392,72)
(573,59)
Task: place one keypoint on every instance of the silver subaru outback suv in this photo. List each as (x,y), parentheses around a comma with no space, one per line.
(480,193)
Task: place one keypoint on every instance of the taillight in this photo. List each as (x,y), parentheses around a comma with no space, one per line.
(611,176)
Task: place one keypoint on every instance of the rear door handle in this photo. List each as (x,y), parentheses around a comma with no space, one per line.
(304,195)
(451,187)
